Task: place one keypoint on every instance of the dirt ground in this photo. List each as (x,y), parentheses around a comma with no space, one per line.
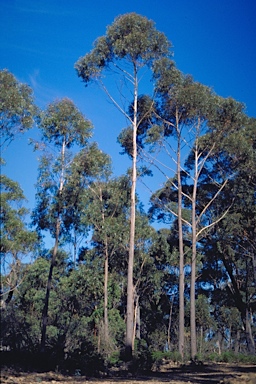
(206,374)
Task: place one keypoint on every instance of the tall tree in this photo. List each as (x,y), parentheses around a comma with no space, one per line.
(62,126)
(17,108)
(233,241)
(198,119)
(133,41)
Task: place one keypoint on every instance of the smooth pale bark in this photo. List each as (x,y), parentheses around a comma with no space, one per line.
(169,325)
(106,263)
(237,341)
(220,342)
(130,286)
(131,38)
(106,327)
(181,254)
(193,264)
(136,326)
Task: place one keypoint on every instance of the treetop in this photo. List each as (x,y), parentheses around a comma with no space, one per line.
(131,36)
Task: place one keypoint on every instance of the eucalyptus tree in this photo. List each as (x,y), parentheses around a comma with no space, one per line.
(198,120)
(17,108)
(156,289)
(105,211)
(130,45)
(234,238)
(17,242)
(62,126)
(203,320)
(89,166)
(181,116)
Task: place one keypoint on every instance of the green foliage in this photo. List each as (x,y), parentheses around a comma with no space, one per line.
(17,241)
(231,357)
(85,209)
(117,326)
(203,317)
(145,125)
(15,237)
(62,178)
(159,356)
(63,122)
(131,37)
(17,108)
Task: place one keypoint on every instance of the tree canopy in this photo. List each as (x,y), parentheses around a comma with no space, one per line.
(17,108)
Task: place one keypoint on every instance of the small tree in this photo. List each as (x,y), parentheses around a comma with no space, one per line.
(16,240)
(63,126)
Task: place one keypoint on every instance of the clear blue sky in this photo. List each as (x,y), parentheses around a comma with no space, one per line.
(40,40)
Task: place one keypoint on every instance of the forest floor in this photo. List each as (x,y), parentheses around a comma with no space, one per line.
(205,374)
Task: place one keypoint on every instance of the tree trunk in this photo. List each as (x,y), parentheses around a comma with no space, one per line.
(75,249)
(106,328)
(248,331)
(219,342)
(48,288)
(237,343)
(230,338)
(130,287)
(136,327)
(54,255)
(169,325)
(201,339)
(138,321)
(181,251)
(13,276)
(193,266)
(193,304)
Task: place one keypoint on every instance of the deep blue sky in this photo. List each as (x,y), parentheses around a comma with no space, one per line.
(40,40)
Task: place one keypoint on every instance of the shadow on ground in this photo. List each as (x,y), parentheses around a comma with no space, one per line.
(34,368)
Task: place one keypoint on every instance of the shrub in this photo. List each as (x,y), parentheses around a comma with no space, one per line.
(174,356)
(231,357)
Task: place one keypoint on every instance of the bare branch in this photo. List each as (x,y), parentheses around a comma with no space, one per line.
(215,222)
(212,200)
(115,102)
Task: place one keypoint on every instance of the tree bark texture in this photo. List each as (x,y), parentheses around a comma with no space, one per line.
(130,286)
(181,251)
(193,265)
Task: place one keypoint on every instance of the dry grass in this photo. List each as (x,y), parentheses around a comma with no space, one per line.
(211,374)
